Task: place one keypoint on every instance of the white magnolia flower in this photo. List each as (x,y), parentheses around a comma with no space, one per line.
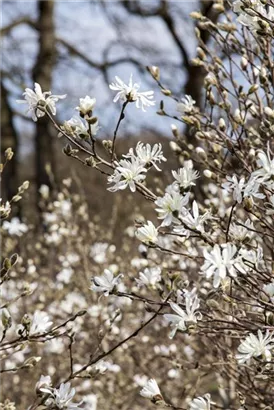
(251,189)
(15,227)
(252,256)
(44,382)
(86,105)
(150,277)
(266,167)
(151,390)
(106,282)
(76,127)
(127,174)
(170,206)
(269,290)
(102,366)
(185,176)
(183,318)
(186,105)
(195,220)
(130,93)
(220,261)
(147,233)
(62,397)
(39,101)
(241,233)
(270,204)
(147,155)
(247,16)
(235,186)
(40,323)
(201,403)
(256,346)
(5,209)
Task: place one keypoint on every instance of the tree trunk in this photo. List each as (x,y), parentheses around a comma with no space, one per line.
(9,140)
(42,74)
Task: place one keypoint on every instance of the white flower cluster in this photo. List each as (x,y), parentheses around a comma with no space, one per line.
(61,397)
(184,318)
(226,259)
(256,346)
(253,15)
(106,282)
(128,172)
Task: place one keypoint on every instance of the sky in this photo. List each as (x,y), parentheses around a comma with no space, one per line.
(100,33)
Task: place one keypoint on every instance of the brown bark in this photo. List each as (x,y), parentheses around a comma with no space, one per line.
(42,74)
(9,139)
(196,75)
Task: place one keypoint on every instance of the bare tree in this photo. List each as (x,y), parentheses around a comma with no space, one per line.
(42,74)
(9,140)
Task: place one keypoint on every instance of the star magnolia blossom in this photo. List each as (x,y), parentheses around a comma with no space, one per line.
(185,176)
(269,290)
(39,101)
(170,206)
(86,105)
(186,105)
(62,397)
(251,20)
(150,277)
(220,261)
(147,155)
(147,233)
(5,209)
(77,128)
(201,403)
(44,382)
(254,346)
(130,93)
(195,220)
(184,317)
(127,174)
(151,390)
(266,164)
(106,282)
(242,189)
(40,323)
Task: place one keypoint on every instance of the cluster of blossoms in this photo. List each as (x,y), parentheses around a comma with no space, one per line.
(253,13)
(132,170)
(227,236)
(184,318)
(262,177)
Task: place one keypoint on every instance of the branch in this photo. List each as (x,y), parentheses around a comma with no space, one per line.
(98,66)
(23,20)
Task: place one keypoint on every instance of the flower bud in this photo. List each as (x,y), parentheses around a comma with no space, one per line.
(222,124)
(6,319)
(201,153)
(154,71)
(269,112)
(9,154)
(244,63)
(166,92)
(207,173)
(175,147)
